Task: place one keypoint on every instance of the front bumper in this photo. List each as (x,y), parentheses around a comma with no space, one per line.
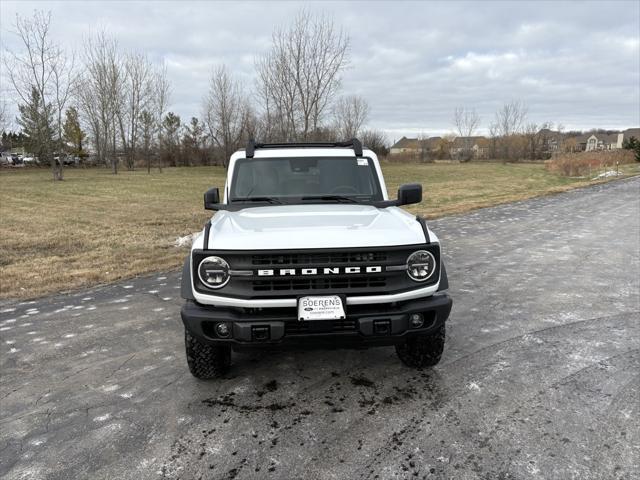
(365,325)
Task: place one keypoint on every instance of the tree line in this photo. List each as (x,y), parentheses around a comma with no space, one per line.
(511,135)
(116,103)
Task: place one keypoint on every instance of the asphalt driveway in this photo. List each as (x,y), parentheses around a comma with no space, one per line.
(540,376)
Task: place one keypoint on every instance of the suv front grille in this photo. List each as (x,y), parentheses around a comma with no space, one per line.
(252,285)
(318,259)
(324,283)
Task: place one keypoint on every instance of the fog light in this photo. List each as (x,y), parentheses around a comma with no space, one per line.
(222,329)
(417,320)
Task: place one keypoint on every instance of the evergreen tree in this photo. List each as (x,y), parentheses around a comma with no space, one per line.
(170,138)
(36,121)
(193,141)
(633,144)
(73,133)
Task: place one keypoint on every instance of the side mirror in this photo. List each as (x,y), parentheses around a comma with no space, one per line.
(409,194)
(211,198)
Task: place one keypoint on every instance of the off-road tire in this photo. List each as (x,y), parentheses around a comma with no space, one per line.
(423,350)
(206,361)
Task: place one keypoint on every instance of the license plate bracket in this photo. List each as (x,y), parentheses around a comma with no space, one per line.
(321,307)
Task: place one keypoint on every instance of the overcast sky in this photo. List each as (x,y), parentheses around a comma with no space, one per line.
(577,63)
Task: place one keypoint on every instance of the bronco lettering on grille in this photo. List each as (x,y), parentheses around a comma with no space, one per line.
(318,271)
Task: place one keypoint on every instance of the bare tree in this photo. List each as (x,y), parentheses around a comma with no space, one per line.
(64,84)
(254,125)
(560,137)
(137,96)
(350,113)
(4,115)
(225,111)
(299,76)
(147,134)
(533,138)
(511,117)
(423,147)
(493,140)
(157,107)
(466,121)
(509,122)
(376,140)
(42,66)
(100,95)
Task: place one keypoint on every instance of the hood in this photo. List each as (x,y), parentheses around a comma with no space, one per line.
(312,226)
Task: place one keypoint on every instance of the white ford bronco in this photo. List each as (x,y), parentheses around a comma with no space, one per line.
(307,250)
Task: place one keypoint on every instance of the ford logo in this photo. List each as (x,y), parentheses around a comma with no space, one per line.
(308,309)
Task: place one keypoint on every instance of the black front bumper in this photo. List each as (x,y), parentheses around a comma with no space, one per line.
(370,325)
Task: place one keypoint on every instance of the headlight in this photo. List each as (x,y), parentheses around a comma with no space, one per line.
(213,272)
(421,265)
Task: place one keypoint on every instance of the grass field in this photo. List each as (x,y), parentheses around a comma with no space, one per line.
(96,227)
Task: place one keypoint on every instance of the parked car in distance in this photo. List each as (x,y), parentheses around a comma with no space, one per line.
(29,160)
(5,159)
(72,160)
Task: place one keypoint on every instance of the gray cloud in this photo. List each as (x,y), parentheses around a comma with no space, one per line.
(574,63)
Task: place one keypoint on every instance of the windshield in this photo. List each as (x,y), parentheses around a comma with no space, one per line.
(288,180)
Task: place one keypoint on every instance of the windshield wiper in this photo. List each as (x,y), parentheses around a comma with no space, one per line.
(335,198)
(257,199)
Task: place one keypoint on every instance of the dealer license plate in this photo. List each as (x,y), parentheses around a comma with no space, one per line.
(320,308)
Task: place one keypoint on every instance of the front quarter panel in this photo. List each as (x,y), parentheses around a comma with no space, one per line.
(186,291)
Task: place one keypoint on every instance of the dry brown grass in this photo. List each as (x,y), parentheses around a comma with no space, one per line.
(457,188)
(589,163)
(96,228)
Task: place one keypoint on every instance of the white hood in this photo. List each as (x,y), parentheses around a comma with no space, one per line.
(312,226)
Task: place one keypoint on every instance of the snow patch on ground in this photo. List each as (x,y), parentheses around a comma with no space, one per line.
(186,241)
(473,386)
(607,174)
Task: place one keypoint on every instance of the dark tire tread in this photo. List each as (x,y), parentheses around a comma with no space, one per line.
(206,361)
(423,350)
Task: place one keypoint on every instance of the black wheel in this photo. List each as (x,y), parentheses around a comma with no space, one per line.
(423,350)
(206,361)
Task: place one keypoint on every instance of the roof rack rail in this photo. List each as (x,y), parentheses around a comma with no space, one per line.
(354,142)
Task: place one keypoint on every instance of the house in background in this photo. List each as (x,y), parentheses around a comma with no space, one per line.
(405,145)
(551,140)
(439,147)
(548,142)
(416,147)
(469,147)
(599,141)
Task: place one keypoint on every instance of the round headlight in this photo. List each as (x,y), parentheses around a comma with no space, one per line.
(214,272)
(421,265)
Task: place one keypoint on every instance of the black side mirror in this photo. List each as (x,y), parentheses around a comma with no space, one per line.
(211,198)
(409,193)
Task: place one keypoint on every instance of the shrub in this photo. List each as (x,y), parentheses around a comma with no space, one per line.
(633,144)
(585,163)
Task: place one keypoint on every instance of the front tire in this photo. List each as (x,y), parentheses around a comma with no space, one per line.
(423,350)
(206,361)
